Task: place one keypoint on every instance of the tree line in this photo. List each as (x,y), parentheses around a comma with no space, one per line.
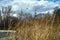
(6,20)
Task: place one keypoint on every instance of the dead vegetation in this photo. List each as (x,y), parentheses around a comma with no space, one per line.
(45,28)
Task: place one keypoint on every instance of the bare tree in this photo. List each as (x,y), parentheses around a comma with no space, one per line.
(0,16)
(35,13)
(6,13)
(57,14)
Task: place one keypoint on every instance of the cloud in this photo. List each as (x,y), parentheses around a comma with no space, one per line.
(46,6)
(30,5)
(5,2)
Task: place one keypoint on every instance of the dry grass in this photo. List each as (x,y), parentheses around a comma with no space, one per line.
(37,29)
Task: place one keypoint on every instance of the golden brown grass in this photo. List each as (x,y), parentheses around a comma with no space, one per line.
(38,29)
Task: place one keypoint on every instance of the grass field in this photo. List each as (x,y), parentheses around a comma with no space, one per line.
(38,29)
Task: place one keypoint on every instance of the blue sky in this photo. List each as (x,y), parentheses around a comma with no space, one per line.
(40,5)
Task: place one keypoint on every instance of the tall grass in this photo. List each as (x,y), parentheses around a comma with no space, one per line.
(45,28)
(38,29)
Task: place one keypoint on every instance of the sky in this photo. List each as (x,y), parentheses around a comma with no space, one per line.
(41,6)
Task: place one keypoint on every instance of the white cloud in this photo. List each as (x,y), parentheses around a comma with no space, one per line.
(30,4)
(18,5)
(47,5)
(15,7)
